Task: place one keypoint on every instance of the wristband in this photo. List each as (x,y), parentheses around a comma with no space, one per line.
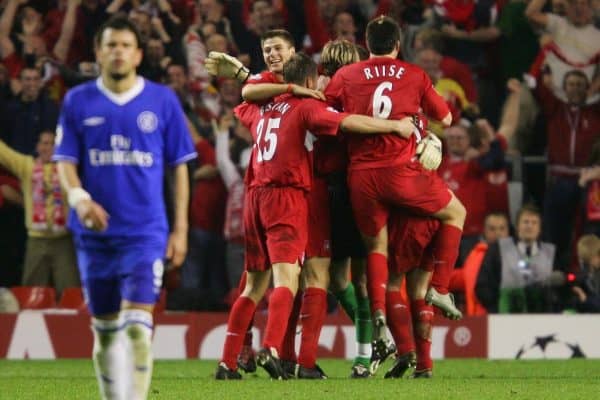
(246,70)
(76,195)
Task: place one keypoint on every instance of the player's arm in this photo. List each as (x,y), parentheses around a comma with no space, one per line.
(177,245)
(264,91)
(534,13)
(435,107)
(362,124)
(91,214)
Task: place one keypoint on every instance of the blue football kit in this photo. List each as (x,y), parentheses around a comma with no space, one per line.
(122,144)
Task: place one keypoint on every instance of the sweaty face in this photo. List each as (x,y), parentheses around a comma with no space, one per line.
(276,52)
(118,53)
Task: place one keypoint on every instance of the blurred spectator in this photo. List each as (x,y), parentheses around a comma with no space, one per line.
(589,181)
(30,113)
(155,60)
(50,253)
(571,128)
(177,79)
(204,265)
(495,227)
(466,169)
(575,44)
(429,60)
(586,285)
(449,67)
(517,273)
(233,177)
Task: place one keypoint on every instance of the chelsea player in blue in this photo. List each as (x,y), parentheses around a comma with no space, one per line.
(115,137)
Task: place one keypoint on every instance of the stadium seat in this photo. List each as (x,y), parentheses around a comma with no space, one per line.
(72,298)
(35,297)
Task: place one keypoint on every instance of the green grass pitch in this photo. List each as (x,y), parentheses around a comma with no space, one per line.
(454,379)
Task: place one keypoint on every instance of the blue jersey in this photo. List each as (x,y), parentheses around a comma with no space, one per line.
(122,143)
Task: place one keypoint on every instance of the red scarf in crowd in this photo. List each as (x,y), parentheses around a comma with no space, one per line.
(39,220)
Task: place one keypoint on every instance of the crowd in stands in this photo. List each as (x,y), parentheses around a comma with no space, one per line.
(521,77)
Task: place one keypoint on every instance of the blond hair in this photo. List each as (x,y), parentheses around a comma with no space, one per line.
(336,54)
(587,247)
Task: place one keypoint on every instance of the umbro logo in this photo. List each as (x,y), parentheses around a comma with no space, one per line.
(93,121)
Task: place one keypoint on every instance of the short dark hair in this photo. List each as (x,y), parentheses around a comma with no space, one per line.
(528,208)
(298,68)
(280,33)
(575,72)
(118,23)
(383,34)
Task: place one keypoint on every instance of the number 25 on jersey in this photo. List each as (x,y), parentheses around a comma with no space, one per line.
(266,145)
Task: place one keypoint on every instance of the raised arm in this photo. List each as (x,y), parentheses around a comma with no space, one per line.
(534,13)
(227,169)
(63,44)
(6,22)
(510,114)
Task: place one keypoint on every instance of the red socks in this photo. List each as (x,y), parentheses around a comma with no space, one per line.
(240,316)
(422,325)
(288,347)
(377,277)
(445,252)
(398,320)
(280,307)
(312,315)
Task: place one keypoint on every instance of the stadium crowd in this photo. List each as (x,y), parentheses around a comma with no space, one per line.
(520,78)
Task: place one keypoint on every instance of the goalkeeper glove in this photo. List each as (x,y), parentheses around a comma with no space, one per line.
(225,66)
(429,152)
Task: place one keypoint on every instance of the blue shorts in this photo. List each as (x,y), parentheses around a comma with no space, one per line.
(115,269)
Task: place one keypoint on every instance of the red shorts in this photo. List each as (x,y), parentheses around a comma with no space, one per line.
(275,229)
(319,220)
(374,191)
(409,242)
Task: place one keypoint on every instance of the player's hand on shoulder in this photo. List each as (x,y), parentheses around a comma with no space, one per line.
(177,247)
(301,91)
(429,152)
(92,215)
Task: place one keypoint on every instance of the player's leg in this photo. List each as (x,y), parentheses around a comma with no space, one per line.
(341,286)
(312,315)
(240,316)
(445,247)
(246,361)
(417,284)
(99,278)
(285,283)
(363,322)
(141,280)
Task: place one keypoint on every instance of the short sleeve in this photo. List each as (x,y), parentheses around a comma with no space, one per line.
(246,113)
(320,118)
(67,133)
(178,141)
(334,91)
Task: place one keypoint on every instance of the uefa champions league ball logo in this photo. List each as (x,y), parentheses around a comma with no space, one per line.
(147,121)
(550,346)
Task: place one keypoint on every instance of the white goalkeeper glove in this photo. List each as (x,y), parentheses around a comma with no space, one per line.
(225,66)
(429,152)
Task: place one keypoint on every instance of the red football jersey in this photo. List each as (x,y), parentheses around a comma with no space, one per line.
(283,133)
(386,88)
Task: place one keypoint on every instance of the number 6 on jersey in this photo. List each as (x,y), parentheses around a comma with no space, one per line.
(266,149)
